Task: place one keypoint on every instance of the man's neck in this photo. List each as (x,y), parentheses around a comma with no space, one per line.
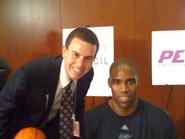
(122,111)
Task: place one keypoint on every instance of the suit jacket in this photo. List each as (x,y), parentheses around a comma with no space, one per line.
(27,98)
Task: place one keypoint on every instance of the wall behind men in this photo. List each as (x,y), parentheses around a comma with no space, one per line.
(31,29)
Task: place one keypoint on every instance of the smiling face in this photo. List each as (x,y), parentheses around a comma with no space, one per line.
(78,58)
(123,83)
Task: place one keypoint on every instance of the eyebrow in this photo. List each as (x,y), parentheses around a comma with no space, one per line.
(131,78)
(126,79)
(90,56)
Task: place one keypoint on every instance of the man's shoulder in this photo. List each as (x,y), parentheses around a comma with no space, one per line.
(97,110)
(42,66)
(43,60)
(41,63)
(155,112)
(150,106)
(158,118)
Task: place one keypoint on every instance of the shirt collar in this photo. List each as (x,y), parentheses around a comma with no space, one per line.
(64,78)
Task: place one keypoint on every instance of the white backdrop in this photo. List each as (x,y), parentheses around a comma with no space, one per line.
(104,58)
(168,57)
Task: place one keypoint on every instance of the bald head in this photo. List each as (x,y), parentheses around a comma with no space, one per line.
(124,64)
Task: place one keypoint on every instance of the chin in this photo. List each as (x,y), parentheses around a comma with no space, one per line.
(75,77)
(124,106)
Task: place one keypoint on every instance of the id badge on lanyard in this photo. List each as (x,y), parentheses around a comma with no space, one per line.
(76,127)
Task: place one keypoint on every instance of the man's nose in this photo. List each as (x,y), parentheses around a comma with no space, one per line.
(123,86)
(80,61)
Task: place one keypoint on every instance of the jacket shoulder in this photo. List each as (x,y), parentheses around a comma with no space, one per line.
(42,66)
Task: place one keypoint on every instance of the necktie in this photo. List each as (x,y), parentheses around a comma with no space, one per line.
(66,112)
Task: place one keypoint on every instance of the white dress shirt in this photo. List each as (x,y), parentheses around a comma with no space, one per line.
(62,83)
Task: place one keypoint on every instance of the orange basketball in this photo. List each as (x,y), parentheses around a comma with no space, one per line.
(30,133)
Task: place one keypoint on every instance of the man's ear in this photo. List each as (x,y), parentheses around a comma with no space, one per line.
(109,81)
(64,50)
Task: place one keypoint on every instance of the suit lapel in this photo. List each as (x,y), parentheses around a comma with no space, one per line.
(50,90)
(53,85)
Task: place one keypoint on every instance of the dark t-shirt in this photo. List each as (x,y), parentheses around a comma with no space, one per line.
(147,122)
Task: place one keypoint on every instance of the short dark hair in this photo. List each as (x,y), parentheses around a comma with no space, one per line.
(84,34)
(124,62)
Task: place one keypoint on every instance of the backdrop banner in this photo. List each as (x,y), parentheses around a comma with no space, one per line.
(168,55)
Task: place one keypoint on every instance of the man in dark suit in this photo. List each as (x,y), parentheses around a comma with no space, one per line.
(32,96)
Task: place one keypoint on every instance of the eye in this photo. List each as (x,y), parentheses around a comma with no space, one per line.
(75,54)
(130,81)
(115,81)
(89,58)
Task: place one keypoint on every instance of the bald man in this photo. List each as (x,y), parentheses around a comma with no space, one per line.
(126,116)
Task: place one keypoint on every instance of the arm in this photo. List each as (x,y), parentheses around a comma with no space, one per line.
(10,97)
(169,131)
(169,128)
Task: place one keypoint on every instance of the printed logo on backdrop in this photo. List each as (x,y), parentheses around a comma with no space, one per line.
(171,56)
(168,57)
(104,59)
